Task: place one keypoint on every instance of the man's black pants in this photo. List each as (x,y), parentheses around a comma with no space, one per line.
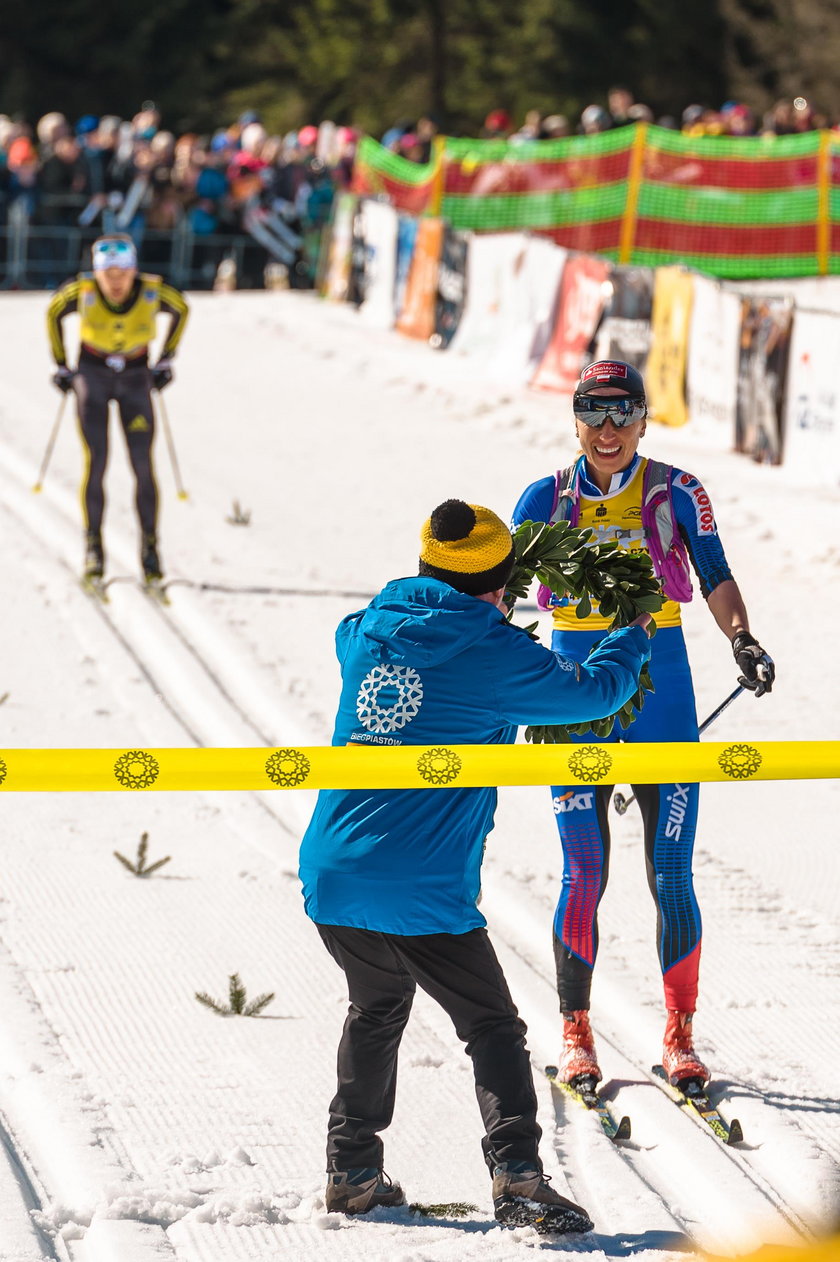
(95,385)
(461,972)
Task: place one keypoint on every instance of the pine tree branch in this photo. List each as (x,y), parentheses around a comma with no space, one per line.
(622,584)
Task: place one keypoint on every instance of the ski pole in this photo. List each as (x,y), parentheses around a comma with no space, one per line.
(167,429)
(50,444)
(621,803)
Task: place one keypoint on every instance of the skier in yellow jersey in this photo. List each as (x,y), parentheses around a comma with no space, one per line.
(118,307)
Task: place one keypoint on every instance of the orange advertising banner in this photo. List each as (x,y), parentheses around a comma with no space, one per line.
(417,318)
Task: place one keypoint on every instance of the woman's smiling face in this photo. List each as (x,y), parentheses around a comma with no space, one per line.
(609,449)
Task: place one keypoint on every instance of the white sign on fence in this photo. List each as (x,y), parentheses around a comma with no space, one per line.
(812,401)
(712,372)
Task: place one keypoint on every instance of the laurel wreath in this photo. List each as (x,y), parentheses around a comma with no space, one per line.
(564,559)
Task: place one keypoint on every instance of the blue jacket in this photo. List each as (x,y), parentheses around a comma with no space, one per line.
(426,665)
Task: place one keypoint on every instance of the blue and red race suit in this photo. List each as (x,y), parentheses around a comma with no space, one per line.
(669,811)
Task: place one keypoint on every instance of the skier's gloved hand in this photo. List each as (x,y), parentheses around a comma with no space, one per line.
(63,378)
(161,374)
(757,668)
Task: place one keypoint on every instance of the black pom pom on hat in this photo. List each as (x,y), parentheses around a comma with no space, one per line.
(451,520)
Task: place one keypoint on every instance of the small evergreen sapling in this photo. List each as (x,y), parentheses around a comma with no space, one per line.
(240,516)
(139,868)
(237,1005)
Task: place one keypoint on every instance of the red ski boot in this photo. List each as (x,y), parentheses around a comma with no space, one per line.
(578,1059)
(679,1059)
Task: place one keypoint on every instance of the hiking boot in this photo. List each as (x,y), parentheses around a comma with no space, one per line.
(523,1197)
(94,555)
(679,1059)
(150,560)
(578,1059)
(358,1190)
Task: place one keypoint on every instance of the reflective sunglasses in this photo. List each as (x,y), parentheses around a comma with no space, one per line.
(114,254)
(594,410)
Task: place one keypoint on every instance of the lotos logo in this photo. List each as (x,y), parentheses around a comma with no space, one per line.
(702,504)
(703,508)
(572,801)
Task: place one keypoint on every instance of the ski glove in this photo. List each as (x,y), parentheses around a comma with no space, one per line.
(757,667)
(63,378)
(161,374)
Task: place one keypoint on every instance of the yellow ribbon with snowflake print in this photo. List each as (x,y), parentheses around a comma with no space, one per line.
(410,766)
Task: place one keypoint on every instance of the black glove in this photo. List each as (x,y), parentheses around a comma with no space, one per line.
(63,378)
(757,667)
(161,374)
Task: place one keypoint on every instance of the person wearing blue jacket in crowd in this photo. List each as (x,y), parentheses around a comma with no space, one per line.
(645,506)
(391,877)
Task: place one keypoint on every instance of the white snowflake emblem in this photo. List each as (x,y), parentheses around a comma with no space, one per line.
(389,697)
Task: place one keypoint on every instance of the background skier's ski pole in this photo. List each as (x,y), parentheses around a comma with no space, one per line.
(42,472)
(621,803)
(167,429)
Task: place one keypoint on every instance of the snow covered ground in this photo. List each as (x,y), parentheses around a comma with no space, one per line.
(138,1125)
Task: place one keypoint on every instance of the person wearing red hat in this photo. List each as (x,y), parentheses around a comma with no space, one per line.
(645,506)
(498,124)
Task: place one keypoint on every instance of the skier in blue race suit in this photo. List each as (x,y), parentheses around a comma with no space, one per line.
(391,877)
(613,490)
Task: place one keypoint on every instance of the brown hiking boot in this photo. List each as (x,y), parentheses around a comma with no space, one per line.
(359,1190)
(523,1197)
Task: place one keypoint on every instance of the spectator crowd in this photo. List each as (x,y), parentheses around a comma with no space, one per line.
(134,175)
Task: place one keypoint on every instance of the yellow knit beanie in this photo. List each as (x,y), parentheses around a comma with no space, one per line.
(467,546)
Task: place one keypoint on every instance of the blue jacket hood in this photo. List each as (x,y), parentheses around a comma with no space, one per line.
(411,622)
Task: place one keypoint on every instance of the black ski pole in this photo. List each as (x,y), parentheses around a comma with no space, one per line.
(621,803)
(42,472)
(167,429)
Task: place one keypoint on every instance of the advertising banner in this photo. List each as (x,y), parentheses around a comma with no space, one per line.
(580,303)
(489,265)
(406,239)
(337,277)
(417,317)
(625,328)
(712,377)
(451,287)
(666,366)
(529,288)
(379,231)
(812,405)
(762,372)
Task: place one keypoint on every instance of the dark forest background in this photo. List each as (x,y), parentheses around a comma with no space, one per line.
(371,63)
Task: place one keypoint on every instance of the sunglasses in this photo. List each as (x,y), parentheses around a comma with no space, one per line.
(595,410)
(114,254)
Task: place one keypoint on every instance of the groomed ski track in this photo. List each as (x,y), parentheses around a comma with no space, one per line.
(102,1163)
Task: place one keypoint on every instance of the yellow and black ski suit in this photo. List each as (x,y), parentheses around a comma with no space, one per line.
(114,364)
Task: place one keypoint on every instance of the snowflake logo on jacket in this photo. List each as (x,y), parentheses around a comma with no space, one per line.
(389,697)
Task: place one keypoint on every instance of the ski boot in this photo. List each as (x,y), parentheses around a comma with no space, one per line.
(94,557)
(679,1059)
(357,1190)
(150,560)
(578,1060)
(523,1197)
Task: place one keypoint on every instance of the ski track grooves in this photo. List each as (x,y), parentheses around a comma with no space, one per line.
(677,1169)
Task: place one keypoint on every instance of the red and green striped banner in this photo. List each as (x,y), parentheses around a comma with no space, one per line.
(735,207)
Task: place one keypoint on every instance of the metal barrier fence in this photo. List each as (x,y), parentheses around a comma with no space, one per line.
(42,255)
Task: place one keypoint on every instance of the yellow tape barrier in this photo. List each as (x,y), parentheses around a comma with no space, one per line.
(410,766)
